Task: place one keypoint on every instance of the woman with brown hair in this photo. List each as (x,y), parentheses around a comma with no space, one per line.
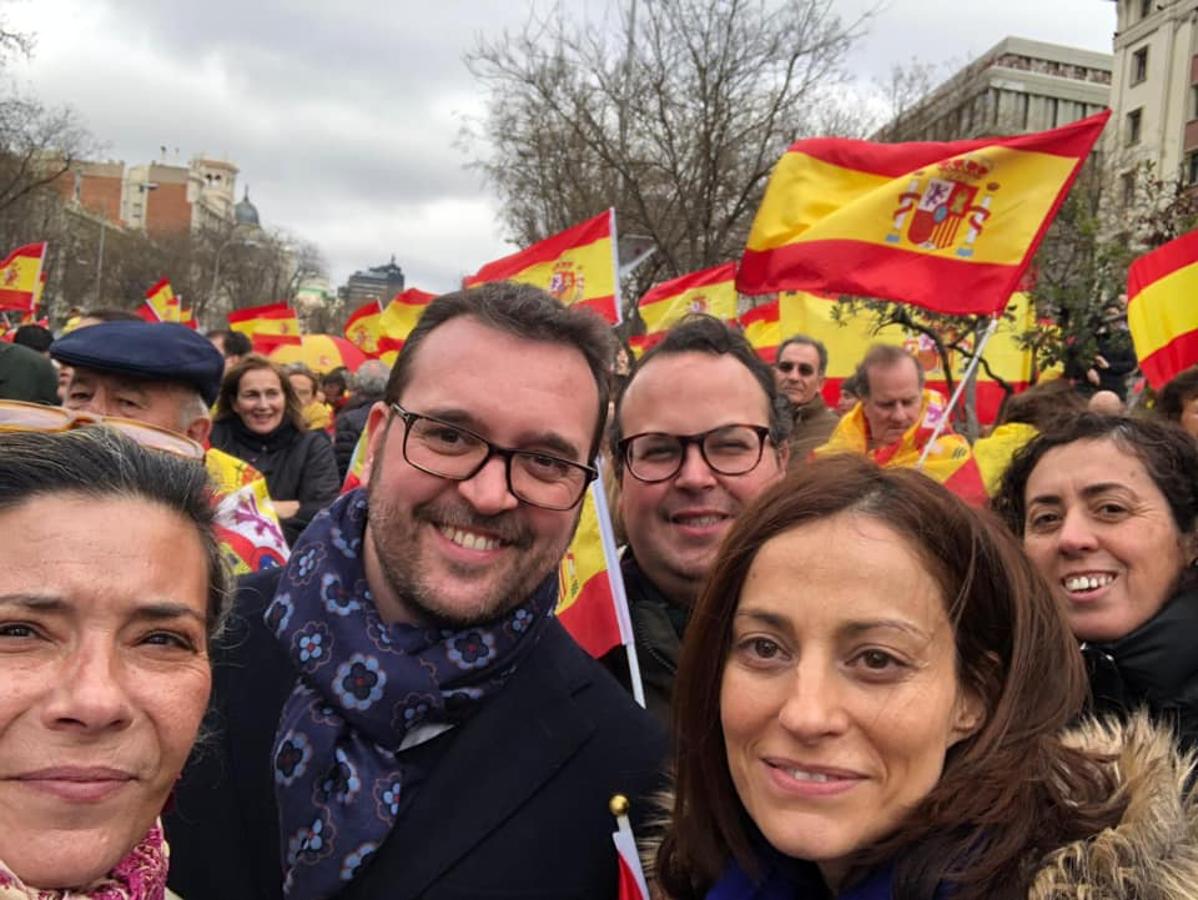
(259,419)
(871,702)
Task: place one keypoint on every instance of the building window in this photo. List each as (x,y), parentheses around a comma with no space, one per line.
(1127,188)
(1194,101)
(1139,65)
(1145,8)
(1192,167)
(1134,119)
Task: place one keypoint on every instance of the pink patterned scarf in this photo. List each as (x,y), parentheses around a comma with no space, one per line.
(139,876)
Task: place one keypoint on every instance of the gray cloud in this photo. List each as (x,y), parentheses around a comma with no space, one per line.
(344,117)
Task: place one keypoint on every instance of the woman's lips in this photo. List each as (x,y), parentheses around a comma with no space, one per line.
(77,784)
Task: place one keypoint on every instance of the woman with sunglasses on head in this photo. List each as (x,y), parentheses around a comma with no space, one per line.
(871,704)
(259,420)
(113,588)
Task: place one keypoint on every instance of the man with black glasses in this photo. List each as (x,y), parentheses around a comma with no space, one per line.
(699,432)
(400,714)
(801,365)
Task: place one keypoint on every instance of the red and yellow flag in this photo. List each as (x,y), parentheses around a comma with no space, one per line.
(577,266)
(949,460)
(711,291)
(275,321)
(362,327)
(587,587)
(1162,309)
(161,304)
(947,226)
(397,321)
(763,329)
(643,343)
(21,277)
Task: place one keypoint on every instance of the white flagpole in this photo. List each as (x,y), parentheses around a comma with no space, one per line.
(615,578)
(615,266)
(960,389)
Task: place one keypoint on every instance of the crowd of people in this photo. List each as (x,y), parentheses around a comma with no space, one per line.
(879,661)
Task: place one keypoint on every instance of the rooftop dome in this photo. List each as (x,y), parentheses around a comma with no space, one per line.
(245,213)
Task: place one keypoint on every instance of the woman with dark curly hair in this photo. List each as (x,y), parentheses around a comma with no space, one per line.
(870,704)
(1178,400)
(1107,508)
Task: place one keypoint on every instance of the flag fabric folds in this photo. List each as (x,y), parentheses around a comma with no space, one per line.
(1162,309)
(947,226)
(587,594)
(362,327)
(320,352)
(577,266)
(711,291)
(21,277)
(246,524)
(949,461)
(275,320)
(763,329)
(161,304)
(397,321)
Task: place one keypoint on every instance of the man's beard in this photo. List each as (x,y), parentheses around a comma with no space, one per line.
(396,537)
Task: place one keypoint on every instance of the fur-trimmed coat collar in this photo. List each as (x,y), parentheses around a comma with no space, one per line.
(1151,855)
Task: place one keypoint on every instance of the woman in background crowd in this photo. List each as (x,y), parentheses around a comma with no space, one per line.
(258,419)
(1178,401)
(1106,507)
(318,415)
(885,720)
(113,588)
(1022,417)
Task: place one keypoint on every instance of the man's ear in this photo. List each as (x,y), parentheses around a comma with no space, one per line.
(375,431)
(199,430)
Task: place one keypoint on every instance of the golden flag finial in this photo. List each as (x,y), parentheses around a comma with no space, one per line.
(618,805)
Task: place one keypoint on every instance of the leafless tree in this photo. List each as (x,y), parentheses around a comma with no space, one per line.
(674,112)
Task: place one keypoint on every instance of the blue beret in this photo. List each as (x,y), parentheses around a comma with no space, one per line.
(158,351)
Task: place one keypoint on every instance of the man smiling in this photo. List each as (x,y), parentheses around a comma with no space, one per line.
(700,431)
(404,715)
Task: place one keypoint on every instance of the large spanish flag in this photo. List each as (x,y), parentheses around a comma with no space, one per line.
(763,329)
(577,266)
(20,277)
(947,226)
(711,291)
(591,588)
(362,328)
(1162,309)
(397,321)
(161,304)
(276,320)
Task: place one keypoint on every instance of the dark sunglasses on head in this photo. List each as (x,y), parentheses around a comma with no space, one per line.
(805,369)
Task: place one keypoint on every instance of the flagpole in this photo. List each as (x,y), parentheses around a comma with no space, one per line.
(615,578)
(959,390)
(615,269)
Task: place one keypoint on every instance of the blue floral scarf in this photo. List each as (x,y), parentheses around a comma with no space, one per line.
(363,685)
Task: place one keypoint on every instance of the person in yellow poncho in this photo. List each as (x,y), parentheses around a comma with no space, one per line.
(318,415)
(894,421)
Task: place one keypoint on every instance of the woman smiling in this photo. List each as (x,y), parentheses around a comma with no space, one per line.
(870,704)
(113,586)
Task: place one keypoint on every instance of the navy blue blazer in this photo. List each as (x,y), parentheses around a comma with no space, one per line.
(515,802)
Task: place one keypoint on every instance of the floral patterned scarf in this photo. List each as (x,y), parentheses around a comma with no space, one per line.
(139,876)
(363,685)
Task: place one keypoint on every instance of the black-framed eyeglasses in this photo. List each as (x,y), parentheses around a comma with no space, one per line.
(729,450)
(450,451)
(786,366)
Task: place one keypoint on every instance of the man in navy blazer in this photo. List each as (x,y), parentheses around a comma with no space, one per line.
(397,713)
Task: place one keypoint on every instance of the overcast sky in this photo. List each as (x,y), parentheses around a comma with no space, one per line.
(344,115)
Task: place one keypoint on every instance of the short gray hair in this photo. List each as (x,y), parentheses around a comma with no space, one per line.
(98,462)
(371,378)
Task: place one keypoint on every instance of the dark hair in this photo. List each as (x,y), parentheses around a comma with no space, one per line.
(1009,793)
(526,312)
(1168,454)
(338,378)
(98,463)
(701,333)
(1177,393)
(231,384)
(234,343)
(1042,405)
(35,337)
(883,356)
(299,368)
(852,385)
(820,350)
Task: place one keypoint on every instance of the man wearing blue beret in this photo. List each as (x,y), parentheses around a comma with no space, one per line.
(167,375)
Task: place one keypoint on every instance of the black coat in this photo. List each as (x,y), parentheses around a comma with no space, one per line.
(298,465)
(1156,666)
(351,422)
(515,803)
